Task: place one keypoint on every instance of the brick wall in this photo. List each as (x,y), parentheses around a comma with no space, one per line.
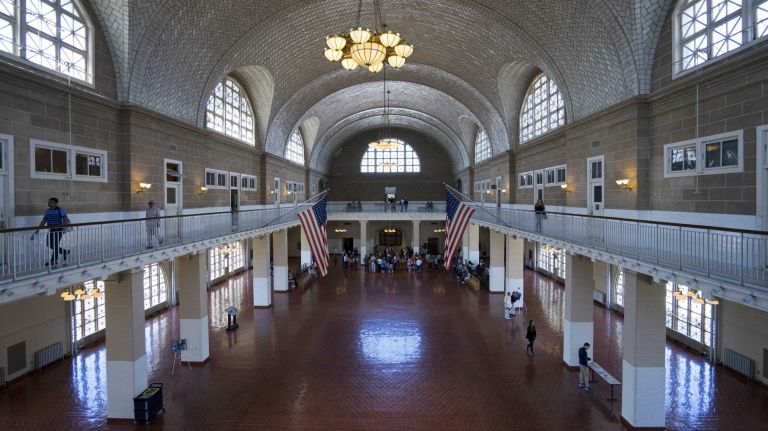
(347,183)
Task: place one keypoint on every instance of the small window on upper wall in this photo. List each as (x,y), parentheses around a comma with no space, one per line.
(482,146)
(717,154)
(58,161)
(543,109)
(54,34)
(526,180)
(229,111)
(294,150)
(705,30)
(555,175)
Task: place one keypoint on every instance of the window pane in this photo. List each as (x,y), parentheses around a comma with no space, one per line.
(712,152)
(730,152)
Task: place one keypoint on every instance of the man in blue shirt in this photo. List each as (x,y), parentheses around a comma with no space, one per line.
(584,368)
(56,218)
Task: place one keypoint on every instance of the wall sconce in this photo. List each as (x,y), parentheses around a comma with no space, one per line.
(503,190)
(143,187)
(203,190)
(340,230)
(565,188)
(624,184)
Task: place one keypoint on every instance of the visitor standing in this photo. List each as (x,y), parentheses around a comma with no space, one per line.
(507,305)
(405,204)
(530,335)
(153,224)
(584,368)
(541,213)
(57,219)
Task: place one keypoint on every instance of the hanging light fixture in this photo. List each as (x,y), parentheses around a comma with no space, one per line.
(80,293)
(363,47)
(385,141)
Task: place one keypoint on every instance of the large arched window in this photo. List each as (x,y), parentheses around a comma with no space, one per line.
(707,29)
(155,285)
(229,111)
(395,160)
(482,146)
(543,109)
(90,314)
(54,34)
(225,259)
(294,150)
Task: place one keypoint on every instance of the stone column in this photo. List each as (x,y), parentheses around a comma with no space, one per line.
(192,276)
(280,260)
(126,359)
(643,386)
(465,245)
(515,255)
(496,265)
(306,253)
(474,243)
(415,242)
(262,288)
(363,237)
(578,325)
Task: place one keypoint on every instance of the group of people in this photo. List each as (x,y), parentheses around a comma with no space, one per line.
(354,207)
(396,205)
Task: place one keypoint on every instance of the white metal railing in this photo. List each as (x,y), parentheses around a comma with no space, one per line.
(24,253)
(739,256)
(384,207)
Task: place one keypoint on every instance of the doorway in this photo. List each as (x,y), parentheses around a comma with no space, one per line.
(173,198)
(538,185)
(595,185)
(6,182)
(762,177)
(499,180)
(347,244)
(277,190)
(432,245)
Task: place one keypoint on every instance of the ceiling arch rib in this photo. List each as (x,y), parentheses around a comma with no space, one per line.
(433,127)
(359,126)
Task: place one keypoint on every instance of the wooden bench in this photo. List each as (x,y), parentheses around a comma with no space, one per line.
(595,368)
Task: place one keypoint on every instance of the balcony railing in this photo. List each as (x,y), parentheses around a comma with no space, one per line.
(739,256)
(24,253)
(384,207)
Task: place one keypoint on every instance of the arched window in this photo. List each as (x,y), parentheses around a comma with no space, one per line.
(54,34)
(229,111)
(90,314)
(225,259)
(708,29)
(543,109)
(294,150)
(395,160)
(482,146)
(155,286)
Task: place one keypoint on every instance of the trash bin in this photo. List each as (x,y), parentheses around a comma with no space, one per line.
(148,403)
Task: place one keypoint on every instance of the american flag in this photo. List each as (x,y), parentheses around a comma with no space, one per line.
(457,215)
(313,225)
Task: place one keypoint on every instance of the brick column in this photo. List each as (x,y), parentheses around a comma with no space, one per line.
(578,325)
(306,253)
(515,255)
(262,286)
(496,265)
(415,243)
(473,231)
(643,387)
(192,276)
(126,359)
(363,238)
(280,260)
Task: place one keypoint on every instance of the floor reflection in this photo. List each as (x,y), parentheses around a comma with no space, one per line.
(390,341)
(222,296)
(690,384)
(89,379)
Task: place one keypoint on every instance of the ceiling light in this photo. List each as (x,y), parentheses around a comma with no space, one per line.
(333,54)
(404,50)
(335,42)
(396,61)
(348,63)
(376,68)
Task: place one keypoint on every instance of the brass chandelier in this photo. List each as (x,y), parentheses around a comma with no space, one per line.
(81,293)
(385,141)
(366,48)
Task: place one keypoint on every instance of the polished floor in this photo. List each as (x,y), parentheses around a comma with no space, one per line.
(379,351)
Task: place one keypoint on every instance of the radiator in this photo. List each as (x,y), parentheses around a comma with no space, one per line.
(739,363)
(598,297)
(2,377)
(48,355)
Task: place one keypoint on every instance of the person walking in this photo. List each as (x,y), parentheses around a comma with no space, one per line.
(57,219)
(584,368)
(541,213)
(153,224)
(507,305)
(530,335)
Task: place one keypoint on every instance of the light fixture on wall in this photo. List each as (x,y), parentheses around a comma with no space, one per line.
(624,183)
(202,190)
(340,230)
(439,230)
(143,187)
(565,188)
(390,230)
(366,48)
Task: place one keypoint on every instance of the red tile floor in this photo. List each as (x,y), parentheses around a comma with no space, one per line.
(379,351)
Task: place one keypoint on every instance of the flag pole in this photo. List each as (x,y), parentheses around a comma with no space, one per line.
(458,193)
(296,207)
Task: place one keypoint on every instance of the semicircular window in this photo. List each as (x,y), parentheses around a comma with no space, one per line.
(229,111)
(543,109)
(396,159)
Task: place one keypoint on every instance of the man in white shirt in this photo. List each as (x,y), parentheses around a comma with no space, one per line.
(153,224)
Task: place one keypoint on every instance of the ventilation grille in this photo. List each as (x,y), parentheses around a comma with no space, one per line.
(48,355)
(739,363)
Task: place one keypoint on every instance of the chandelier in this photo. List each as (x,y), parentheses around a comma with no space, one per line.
(383,142)
(81,293)
(388,165)
(390,230)
(366,48)
(695,296)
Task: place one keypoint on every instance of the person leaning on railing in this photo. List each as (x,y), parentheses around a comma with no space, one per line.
(57,220)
